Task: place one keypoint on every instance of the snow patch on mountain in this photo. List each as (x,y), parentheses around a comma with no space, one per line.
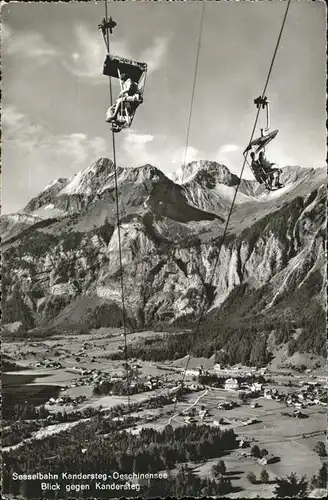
(49,212)
(46,196)
(136,176)
(204,170)
(89,180)
(56,182)
(20,217)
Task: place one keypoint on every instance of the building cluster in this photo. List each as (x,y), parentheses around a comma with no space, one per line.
(196,372)
(66,400)
(227,405)
(237,370)
(192,414)
(101,379)
(312,393)
(309,394)
(88,376)
(232,384)
(138,383)
(47,363)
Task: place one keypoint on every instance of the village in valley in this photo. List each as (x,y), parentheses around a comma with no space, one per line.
(278,416)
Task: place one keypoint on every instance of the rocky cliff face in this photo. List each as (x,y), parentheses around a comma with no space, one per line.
(63,263)
(46,196)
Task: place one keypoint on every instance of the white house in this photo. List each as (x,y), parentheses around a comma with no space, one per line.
(231,384)
(243,443)
(194,387)
(193,373)
(203,413)
(190,420)
(268,459)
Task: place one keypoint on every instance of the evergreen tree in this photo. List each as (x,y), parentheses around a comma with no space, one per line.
(224,486)
(321,480)
(320,449)
(264,476)
(323,477)
(251,478)
(291,486)
(219,469)
(255,451)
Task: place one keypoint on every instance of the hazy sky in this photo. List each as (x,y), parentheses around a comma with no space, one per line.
(55,96)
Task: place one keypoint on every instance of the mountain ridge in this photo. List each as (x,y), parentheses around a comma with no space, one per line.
(170,234)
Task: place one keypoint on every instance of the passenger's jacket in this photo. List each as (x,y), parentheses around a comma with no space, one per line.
(130,87)
(265,164)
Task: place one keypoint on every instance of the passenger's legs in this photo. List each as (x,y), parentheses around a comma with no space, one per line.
(112,115)
(276,177)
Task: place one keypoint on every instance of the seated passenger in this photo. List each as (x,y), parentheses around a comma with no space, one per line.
(128,100)
(272,173)
(257,170)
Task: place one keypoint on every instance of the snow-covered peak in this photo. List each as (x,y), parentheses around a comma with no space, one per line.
(135,175)
(89,180)
(56,183)
(187,172)
(204,171)
(144,173)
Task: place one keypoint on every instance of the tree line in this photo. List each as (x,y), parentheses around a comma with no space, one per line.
(150,451)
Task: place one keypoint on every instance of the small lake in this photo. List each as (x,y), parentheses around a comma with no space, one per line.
(15,389)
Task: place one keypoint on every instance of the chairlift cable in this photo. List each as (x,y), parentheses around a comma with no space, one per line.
(194,83)
(203,308)
(107,41)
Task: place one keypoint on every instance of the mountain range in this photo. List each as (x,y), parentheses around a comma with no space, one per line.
(61,266)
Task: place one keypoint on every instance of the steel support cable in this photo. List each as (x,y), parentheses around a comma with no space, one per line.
(118,223)
(194,82)
(203,308)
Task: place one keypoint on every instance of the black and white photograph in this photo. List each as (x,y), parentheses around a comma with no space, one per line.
(163,228)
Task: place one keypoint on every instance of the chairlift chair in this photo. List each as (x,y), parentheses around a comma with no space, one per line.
(114,67)
(260,143)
